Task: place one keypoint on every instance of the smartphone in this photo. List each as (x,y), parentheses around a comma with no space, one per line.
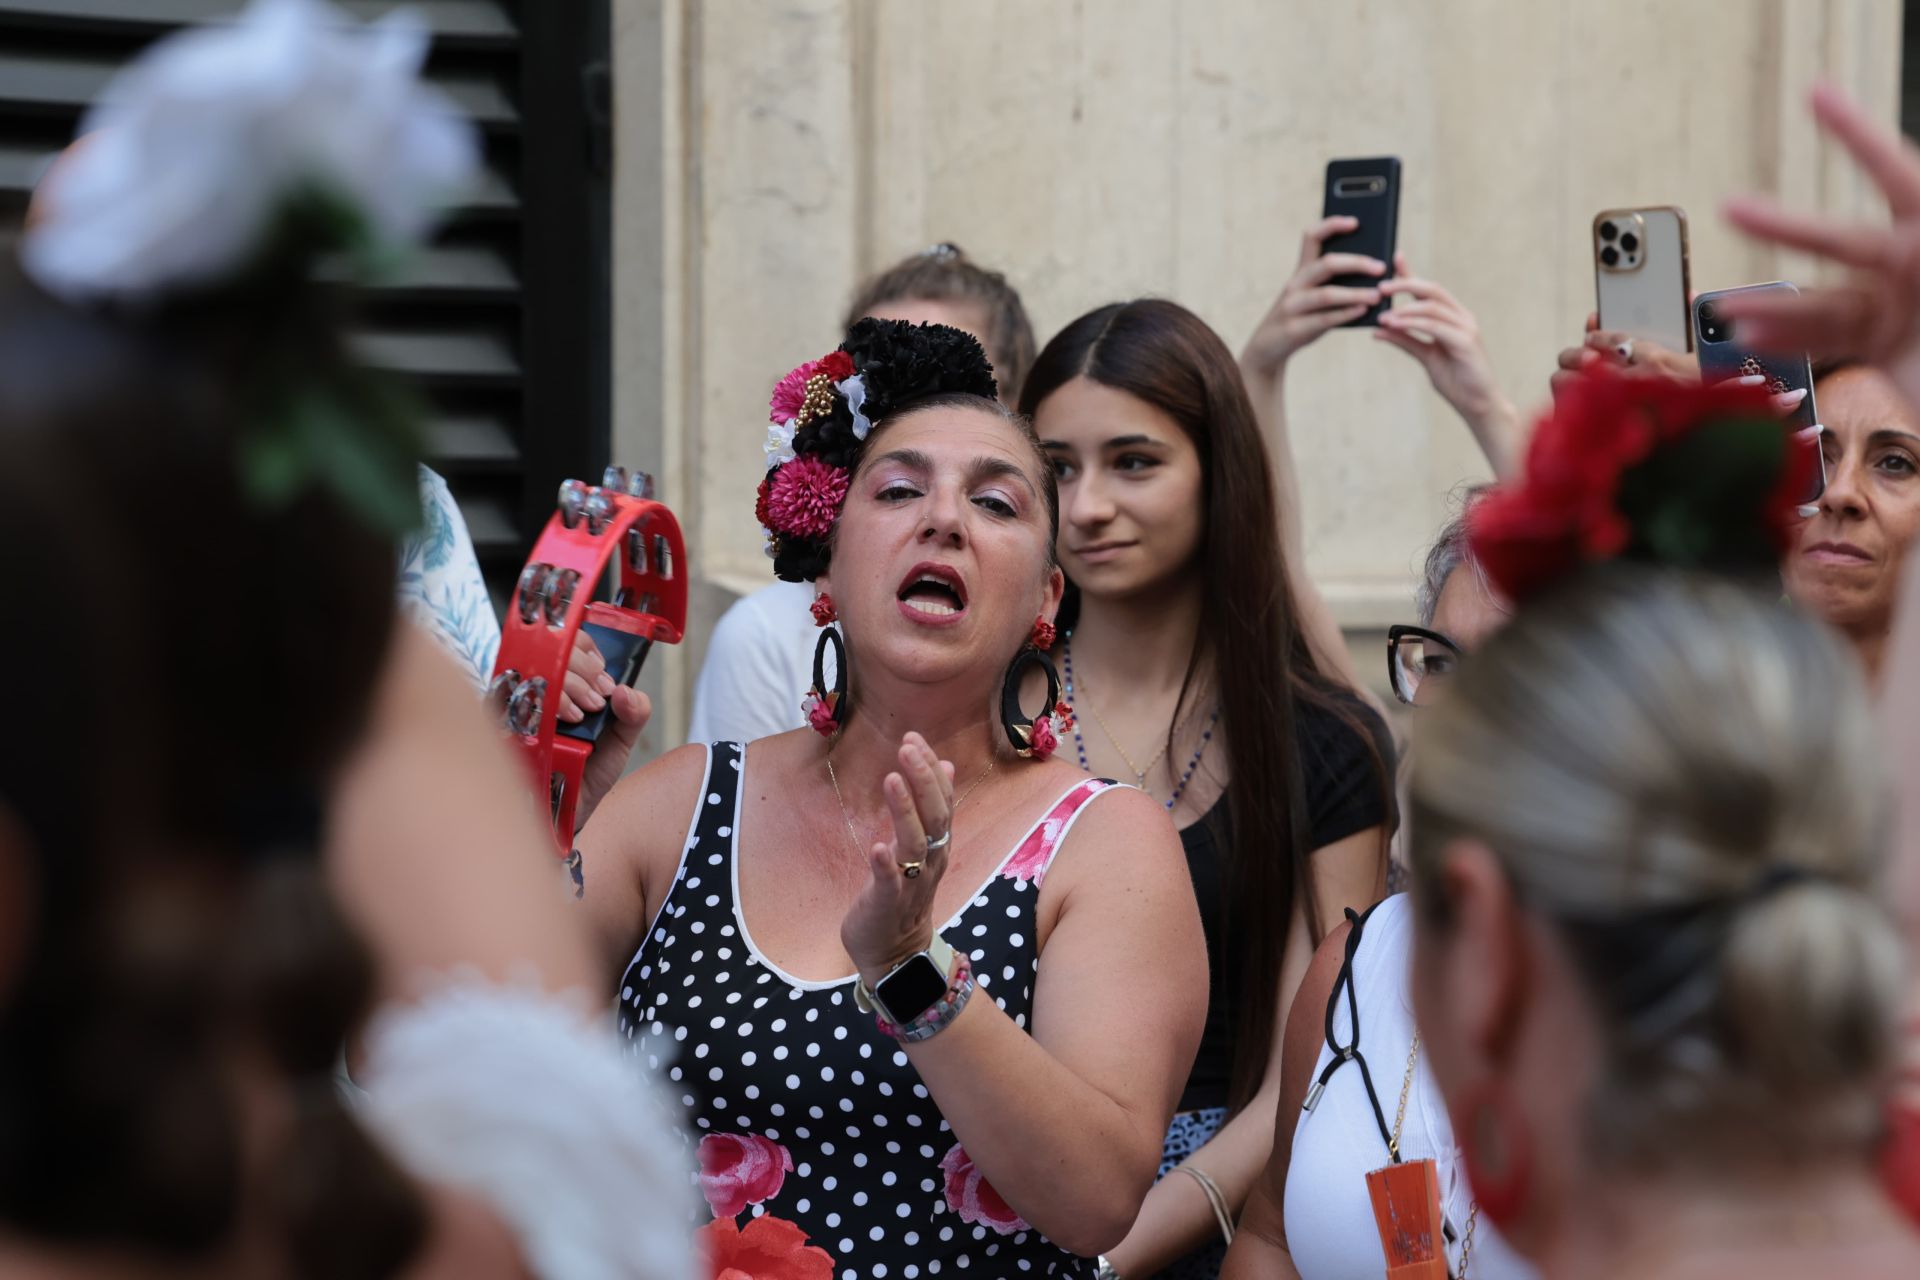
(1723,356)
(1640,274)
(1370,191)
(624,653)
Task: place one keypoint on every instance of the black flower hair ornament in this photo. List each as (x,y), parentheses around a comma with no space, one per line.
(824,412)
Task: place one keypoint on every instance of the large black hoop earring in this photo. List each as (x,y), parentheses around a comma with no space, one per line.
(1020,727)
(827,709)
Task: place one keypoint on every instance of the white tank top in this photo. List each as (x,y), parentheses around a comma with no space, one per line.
(1330,1227)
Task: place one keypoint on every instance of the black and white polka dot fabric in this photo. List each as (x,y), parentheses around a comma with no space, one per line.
(803,1110)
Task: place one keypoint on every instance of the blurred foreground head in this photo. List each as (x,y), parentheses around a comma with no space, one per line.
(1648,819)
(199,494)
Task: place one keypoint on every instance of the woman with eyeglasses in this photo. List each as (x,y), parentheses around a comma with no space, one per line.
(1458,608)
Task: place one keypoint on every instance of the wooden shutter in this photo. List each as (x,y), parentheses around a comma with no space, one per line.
(516,375)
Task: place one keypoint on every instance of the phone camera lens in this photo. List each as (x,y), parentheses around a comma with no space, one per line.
(1608,231)
(1630,242)
(1708,316)
(1610,256)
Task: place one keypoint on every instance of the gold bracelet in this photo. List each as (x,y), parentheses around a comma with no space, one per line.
(1214,1198)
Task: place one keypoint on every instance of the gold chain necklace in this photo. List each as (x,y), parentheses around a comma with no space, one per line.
(1139,774)
(1393,1149)
(853,837)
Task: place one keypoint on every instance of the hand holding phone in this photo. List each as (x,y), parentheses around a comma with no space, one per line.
(1724,355)
(1369,192)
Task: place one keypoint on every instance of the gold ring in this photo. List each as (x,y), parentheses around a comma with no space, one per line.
(912,870)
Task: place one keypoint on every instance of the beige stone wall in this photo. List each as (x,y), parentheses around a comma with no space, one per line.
(773,151)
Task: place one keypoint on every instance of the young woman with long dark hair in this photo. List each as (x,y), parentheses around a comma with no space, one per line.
(1190,675)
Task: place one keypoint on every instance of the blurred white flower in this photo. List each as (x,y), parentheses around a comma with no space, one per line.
(197,145)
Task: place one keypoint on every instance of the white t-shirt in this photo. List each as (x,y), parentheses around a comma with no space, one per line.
(1330,1226)
(759,666)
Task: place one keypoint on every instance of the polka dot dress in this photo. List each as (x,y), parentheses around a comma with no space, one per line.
(801,1107)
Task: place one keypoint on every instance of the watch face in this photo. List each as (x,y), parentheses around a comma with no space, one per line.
(911,990)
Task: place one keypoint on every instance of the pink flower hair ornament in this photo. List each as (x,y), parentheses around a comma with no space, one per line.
(804,498)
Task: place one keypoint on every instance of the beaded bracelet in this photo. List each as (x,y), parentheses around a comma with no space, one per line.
(936,1018)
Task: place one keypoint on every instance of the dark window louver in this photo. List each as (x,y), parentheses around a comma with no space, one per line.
(503,324)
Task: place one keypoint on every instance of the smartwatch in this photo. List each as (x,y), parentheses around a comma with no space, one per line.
(916,985)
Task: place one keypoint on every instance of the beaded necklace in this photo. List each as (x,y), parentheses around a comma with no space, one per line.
(1080,742)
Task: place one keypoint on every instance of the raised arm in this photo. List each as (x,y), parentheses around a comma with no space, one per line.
(1308,306)
(1067,1123)
(434,846)
(1431,325)
(1443,336)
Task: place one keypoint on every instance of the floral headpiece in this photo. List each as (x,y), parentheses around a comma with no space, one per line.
(1649,470)
(224,164)
(823,412)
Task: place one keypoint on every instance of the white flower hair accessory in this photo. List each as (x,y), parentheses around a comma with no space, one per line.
(200,146)
(855,390)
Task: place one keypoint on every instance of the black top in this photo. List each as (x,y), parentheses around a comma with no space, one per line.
(1345,794)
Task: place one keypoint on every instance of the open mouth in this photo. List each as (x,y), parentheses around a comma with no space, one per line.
(934,591)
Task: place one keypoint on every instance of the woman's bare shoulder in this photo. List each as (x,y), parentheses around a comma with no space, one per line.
(637,814)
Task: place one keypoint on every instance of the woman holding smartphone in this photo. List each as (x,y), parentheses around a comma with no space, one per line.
(1844,566)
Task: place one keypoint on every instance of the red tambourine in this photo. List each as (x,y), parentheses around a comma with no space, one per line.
(594,528)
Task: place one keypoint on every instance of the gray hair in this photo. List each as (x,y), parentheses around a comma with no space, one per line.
(1448,552)
(1682,775)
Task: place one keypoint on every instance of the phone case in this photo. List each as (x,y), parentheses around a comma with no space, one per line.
(1406,1211)
(1723,356)
(1644,293)
(1370,191)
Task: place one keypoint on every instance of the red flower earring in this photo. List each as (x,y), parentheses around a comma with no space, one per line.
(1043,634)
(823,611)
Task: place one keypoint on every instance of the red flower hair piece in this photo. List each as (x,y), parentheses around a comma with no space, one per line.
(1645,469)
(804,498)
(769,1248)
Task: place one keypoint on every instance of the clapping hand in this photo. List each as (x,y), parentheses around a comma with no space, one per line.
(892,918)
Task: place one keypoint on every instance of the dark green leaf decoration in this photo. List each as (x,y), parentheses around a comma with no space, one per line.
(322,418)
(1694,503)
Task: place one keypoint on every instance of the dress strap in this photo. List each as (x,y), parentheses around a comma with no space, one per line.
(1035,852)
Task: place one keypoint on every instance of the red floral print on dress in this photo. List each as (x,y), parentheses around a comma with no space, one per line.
(739,1169)
(768,1248)
(1035,854)
(970,1195)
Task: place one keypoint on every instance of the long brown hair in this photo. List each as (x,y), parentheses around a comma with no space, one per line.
(1249,638)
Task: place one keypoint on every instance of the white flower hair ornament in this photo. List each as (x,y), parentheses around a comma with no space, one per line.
(200,145)
(219,170)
